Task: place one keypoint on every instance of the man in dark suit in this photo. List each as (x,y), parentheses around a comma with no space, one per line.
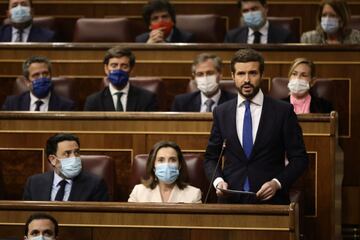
(41,96)
(259,132)
(206,71)
(257,28)
(120,95)
(159,16)
(21,29)
(41,224)
(68,181)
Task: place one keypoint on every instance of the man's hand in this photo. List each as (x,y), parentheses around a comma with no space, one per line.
(267,190)
(222,185)
(156,36)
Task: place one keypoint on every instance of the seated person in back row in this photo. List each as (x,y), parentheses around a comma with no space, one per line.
(301,78)
(167,175)
(41,226)
(206,70)
(120,95)
(333,20)
(41,96)
(21,28)
(159,16)
(68,181)
(257,28)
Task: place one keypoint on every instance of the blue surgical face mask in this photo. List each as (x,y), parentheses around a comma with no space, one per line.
(20,14)
(70,167)
(40,237)
(118,78)
(330,25)
(167,173)
(253,19)
(41,87)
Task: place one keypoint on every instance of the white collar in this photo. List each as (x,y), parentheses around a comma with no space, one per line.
(113,90)
(263,30)
(215,98)
(258,99)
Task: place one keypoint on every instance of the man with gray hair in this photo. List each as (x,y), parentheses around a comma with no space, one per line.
(40,97)
(206,72)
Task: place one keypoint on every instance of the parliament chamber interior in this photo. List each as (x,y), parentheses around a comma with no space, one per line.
(325,201)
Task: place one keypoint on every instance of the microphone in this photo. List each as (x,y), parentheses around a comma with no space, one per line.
(217,165)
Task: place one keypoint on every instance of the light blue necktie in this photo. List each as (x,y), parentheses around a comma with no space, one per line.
(247,138)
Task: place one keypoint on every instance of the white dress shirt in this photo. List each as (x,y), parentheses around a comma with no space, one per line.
(215,98)
(124,96)
(25,34)
(264,34)
(43,107)
(55,187)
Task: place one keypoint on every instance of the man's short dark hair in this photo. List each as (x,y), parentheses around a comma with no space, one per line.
(262,2)
(118,52)
(39,216)
(248,55)
(157,6)
(34,59)
(30,1)
(52,142)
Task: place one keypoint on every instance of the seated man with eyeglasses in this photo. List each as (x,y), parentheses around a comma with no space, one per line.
(68,181)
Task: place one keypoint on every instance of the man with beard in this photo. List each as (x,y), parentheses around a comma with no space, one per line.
(259,131)
(21,29)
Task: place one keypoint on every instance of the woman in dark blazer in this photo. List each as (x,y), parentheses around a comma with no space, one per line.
(301,78)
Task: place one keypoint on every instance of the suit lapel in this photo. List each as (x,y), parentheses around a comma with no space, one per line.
(25,102)
(271,36)
(243,37)
(76,189)
(196,107)
(53,102)
(7,34)
(233,130)
(265,123)
(46,195)
(131,99)
(107,101)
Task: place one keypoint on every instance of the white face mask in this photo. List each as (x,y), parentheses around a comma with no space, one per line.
(40,237)
(20,14)
(330,25)
(207,84)
(71,167)
(298,86)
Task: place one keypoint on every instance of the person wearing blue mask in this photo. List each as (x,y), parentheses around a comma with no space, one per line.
(257,29)
(41,226)
(167,176)
(20,27)
(120,95)
(68,181)
(40,97)
(333,20)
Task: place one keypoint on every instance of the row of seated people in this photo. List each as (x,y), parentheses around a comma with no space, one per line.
(334,26)
(36,92)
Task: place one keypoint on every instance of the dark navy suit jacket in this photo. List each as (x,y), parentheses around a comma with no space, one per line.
(36,34)
(278,133)
(275,35)
(191,102)
(85,187)
(138,100)
(22,103)
(177,36)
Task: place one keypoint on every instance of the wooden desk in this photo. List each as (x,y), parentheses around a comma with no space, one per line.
(122,135)
(95,221)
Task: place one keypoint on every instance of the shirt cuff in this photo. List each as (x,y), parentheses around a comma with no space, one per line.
(217,180)
(278,182)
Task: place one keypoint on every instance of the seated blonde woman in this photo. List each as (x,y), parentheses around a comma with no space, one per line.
(301,78)
(167,173)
